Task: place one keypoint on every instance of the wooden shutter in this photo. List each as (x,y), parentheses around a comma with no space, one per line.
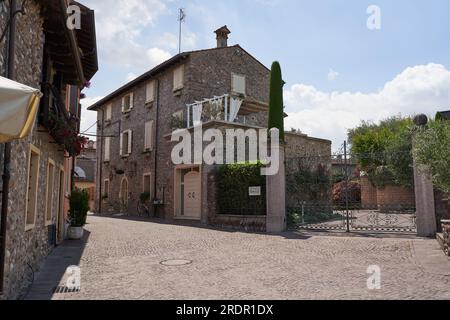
(178,77)
(131,100)
(121,143)
(107,149)
(150,92)
(130,141)
(108,115)
(238,83)
(149,135)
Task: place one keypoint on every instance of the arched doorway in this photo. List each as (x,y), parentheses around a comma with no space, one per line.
(124,193)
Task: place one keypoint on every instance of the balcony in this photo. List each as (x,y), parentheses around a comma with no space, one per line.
(62,126)
(226,108)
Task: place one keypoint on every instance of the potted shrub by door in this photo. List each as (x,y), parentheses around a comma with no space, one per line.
(79,207)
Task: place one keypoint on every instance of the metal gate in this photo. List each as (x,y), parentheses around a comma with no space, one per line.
(333,193)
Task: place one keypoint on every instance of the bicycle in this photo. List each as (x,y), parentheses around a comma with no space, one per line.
(143,209)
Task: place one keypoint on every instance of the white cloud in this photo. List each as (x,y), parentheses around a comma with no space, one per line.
(119,25)
(332,75)
(89,118)
(155,56)
(131,76)
(419,89)
(169,41)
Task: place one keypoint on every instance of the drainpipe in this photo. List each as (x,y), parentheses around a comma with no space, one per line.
(100,166)
(156,142)
(7,151)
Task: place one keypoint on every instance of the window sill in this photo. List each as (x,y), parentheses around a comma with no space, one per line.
(149,104)
(177,92)
(126,156)
(147,152)
(107,122)
(29,227)
(127,112)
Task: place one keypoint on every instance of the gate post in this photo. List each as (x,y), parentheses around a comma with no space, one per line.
(424,191)
(276,195)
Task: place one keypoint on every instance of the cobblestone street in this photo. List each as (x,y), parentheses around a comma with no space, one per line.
(122,260)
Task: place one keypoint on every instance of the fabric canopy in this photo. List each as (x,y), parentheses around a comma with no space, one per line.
(18,109)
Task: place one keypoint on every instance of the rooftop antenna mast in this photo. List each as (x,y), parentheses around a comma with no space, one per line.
(181,19)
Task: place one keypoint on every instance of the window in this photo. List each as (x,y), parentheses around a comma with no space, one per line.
(107,156)
(106,188)
(237,84)
(150,92)
(178,78)
(126,141)
(149,134)
(32,187)
(108,112)
(127,103)
(147,183)
(49,192)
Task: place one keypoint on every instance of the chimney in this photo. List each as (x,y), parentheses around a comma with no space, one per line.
(222,37)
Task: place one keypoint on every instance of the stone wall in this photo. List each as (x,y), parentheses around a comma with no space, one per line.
(442,207)
(26,250)
(4,14)
(305,153)
(445,226)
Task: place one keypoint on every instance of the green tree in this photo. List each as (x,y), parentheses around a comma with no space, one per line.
(432,148)
(384,151)
(276,105)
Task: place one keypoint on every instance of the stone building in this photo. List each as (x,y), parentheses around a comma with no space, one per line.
(222,88)
(58,61)
(85,167)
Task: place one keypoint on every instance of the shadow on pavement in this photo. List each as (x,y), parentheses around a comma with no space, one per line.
(54,268)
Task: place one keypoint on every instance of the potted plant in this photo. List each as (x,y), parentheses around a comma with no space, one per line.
(79,207)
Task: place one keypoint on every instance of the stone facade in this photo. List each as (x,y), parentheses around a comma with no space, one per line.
(207,74)
(25,250)
(28,246)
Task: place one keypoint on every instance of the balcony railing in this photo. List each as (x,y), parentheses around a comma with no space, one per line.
(62,126)
(219,108)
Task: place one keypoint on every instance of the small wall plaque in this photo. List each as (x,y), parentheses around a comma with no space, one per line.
(254,191)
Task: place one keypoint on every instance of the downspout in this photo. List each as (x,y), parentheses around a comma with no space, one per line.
(7,151)
(100,165)
(156,143)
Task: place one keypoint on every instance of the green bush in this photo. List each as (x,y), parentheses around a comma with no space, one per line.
(79,207)
(233,182)
(384,151)
(144,196)
(432,149)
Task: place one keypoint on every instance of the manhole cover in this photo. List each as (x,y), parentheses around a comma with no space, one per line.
(175,262)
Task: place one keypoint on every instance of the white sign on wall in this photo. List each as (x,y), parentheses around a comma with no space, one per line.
(254,191)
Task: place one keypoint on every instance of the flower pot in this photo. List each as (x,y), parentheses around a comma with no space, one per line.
(75,233)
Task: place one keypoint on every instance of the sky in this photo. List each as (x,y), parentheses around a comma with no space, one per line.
(338,71)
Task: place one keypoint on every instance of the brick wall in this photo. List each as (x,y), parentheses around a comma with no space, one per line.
(395,196)
(368,193)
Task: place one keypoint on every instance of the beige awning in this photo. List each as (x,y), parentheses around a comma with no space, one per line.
(18,109)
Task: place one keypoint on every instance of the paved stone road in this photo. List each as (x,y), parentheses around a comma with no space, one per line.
(121,260)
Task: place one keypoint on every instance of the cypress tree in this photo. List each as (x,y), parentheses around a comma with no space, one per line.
(276,105)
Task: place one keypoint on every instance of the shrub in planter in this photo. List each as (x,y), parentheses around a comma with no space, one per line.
(79,207)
